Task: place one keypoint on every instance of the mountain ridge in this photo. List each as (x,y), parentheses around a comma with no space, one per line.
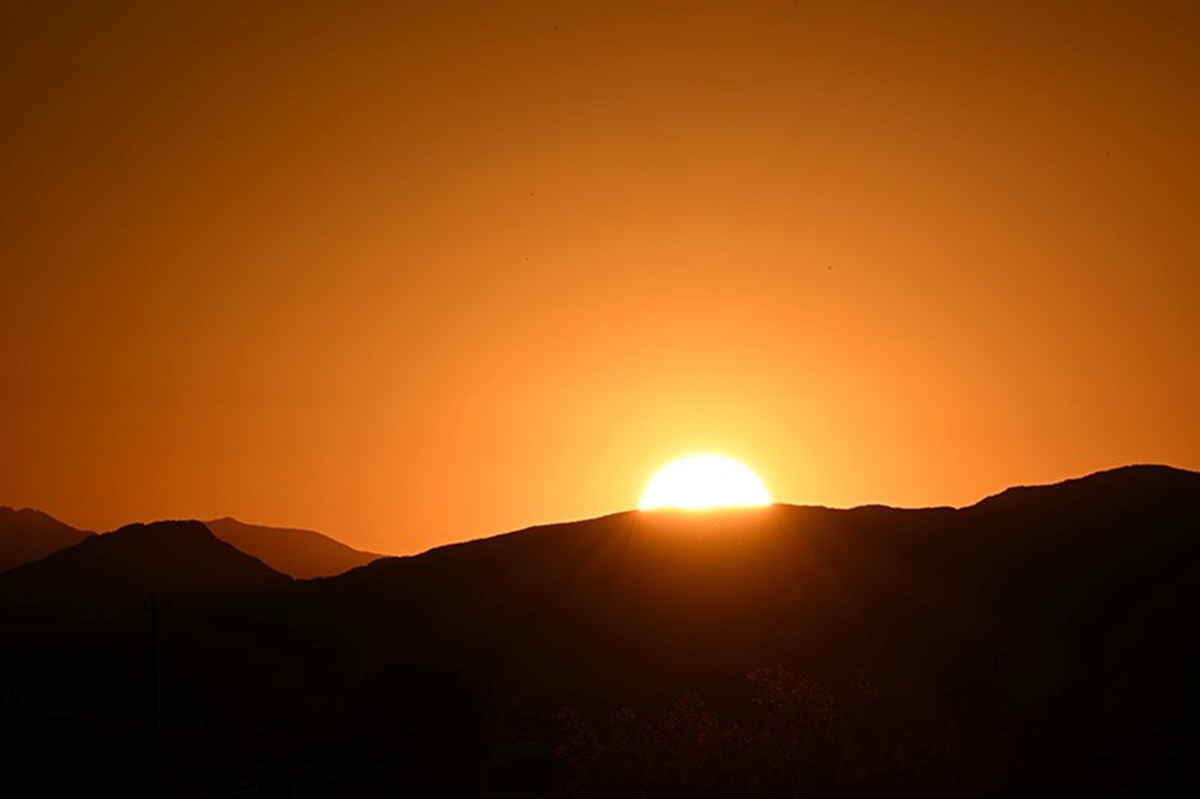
(175,558)
(27,534)
(1043,630)
(1005,494)
(300,553)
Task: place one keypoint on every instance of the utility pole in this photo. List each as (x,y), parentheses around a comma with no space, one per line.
(8,707)
(154,607)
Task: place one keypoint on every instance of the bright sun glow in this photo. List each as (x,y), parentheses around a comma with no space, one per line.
(704,481)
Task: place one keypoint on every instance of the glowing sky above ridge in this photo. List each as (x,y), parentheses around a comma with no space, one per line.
(412,273)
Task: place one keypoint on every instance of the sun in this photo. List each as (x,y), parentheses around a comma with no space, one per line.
(699,482)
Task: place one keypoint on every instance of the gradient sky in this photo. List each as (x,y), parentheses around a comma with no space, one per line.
(412,273)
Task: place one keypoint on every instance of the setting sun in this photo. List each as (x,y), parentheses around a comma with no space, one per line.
(700,482)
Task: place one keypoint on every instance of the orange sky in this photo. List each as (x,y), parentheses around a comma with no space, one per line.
(419,273)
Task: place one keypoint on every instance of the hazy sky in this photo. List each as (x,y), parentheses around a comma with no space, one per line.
(411,273)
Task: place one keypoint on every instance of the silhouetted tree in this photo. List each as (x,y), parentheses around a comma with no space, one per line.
(794,739)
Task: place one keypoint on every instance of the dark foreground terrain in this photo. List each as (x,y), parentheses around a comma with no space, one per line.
(1040,642)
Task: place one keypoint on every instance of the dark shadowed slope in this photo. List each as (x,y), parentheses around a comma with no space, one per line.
(1051,623)
(82,660)
(178,559)
(299,553)
(27,535)
(1046,631)
(693,591)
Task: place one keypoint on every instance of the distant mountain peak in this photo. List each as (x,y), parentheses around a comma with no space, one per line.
(27,534)
(299,553)
(29,514)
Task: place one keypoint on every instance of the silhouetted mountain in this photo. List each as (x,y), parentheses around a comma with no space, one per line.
(298,553)
(179,559)
(27,535)
(1036,642)
(1046,624)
